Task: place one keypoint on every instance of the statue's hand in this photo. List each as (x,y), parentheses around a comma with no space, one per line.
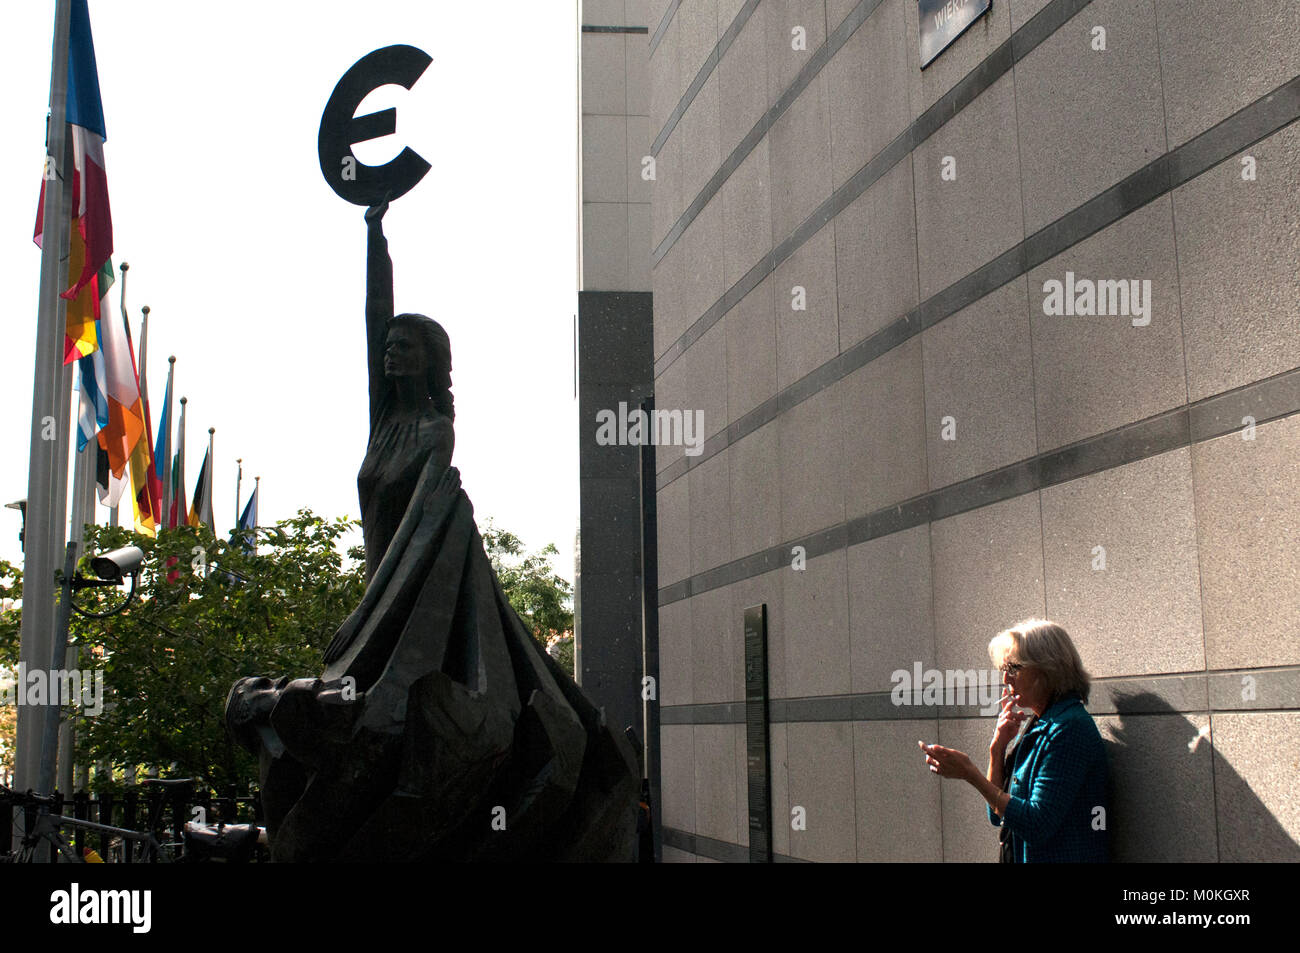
(375,213)
(339,644)
(448,483)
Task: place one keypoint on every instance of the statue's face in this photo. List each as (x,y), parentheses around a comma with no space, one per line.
(249,705)
(404,354)
(258,695)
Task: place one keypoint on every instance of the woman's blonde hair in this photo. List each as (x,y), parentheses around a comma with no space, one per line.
(1047,647)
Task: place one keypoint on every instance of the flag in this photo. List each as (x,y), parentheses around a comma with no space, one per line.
(125,427)
(83,312)
(109,487)
(146,488)
(91,219)
(247,528)
(201,508)
(244,534)
(146,522)
(100,416)
(109,406)
(179,512)
(162,449)
(93,414)
(248,520)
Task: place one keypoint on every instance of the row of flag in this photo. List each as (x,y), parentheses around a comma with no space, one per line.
(113,405)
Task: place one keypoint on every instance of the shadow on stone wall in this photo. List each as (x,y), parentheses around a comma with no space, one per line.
(1170,791)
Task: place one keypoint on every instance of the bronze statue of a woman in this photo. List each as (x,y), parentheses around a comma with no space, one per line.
(440,729)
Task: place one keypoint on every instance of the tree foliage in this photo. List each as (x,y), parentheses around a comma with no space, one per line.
(537,593)
(11,590)
(209,612)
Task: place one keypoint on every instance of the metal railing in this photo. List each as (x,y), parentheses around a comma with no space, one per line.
(161,809)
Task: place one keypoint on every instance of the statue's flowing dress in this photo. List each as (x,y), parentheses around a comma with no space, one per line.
(440,729)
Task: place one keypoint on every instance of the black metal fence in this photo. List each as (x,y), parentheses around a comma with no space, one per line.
(161,811)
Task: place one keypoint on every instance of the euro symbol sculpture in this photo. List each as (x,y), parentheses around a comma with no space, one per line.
(341,128)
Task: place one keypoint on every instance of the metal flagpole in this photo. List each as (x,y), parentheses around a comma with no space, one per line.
(252,536)
(168,446)
(181,518)
(68,732)
(83,512)
(62,447)
(83,492)
(59,653)
(207,480)
(44,531)
(144,349)
(112,515)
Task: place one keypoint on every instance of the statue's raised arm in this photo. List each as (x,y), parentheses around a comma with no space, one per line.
(379,302)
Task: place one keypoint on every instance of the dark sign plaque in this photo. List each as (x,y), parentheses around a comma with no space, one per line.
(756,743)
(942,21)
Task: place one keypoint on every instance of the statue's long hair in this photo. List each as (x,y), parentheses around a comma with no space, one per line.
(437,347)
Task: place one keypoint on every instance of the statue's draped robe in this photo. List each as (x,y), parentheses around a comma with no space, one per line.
(464,741)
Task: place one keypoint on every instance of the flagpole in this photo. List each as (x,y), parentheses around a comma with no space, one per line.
(121,306)
(181,517)
(252,536)
(44,531)
(207,479)
(63,444)
(167,445)
(144,349)
(59,732)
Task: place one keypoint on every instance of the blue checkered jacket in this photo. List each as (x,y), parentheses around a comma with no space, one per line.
(1058,779)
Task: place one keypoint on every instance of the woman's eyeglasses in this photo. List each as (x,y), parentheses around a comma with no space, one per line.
(1012,668)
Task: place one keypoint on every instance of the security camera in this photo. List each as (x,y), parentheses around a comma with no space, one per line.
(111,567)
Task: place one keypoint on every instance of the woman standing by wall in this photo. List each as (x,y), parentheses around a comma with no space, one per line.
(1054,807)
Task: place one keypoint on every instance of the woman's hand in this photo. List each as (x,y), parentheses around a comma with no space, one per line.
(948,762)
(1009,721)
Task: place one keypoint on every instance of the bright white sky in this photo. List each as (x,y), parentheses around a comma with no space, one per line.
(254,270)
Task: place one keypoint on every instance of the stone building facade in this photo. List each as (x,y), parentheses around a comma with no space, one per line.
(1016,335)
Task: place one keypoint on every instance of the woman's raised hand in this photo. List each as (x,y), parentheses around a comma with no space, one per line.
(1009,720)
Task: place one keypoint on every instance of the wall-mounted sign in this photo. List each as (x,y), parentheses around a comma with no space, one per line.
(942,21)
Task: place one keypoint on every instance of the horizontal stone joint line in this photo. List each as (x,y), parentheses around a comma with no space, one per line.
(701,77)
(662,28)
(1129,443)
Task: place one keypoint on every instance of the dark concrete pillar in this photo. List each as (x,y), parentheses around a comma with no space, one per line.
(615,365)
